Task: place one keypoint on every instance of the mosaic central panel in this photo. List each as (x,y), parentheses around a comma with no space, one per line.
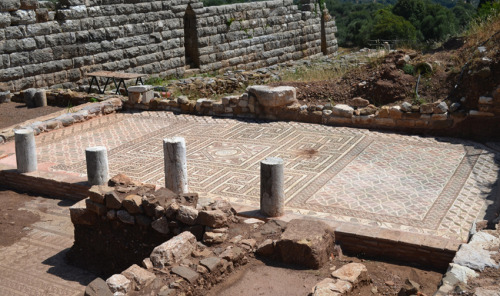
(393,181)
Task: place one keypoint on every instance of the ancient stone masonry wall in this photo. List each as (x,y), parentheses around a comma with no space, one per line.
(41,45)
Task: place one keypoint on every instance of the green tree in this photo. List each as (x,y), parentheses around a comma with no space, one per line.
(390,26)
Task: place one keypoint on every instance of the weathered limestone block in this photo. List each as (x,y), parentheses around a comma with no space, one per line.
(23,17)
(342,110)
(29,4)
(211,238)
(139,276)
(10,5)
(113,200)
(440,108)
(273,96)
(4,19)
(215,219)
(187,215)
(173,250)
(352,273)
(359,102)
(118,283)
(306,242)
(331,287)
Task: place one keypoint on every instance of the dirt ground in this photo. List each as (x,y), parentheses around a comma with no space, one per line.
(273,279)
(15,113)
(12,220)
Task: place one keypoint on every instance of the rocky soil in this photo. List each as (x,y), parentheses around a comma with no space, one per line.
(15,113)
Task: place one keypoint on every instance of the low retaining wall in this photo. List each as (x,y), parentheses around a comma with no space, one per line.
(437,118)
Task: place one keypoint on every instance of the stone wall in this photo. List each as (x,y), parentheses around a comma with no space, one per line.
(41,45)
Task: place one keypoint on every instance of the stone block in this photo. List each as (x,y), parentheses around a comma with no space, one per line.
(97,193)
(161,225)
(29,4)
(211,263)
(139,277)
(307,243)
(187,215)
(173,250)
(133,204)
(97,208)
(352,273)
(395,112)
(273,96)
(331,287)
(125,217)
(427,108)
(81,215)
(211,238)
(215,219)
(113,200)
(97,287)
(4,19)
(358,102)
(10,5)
(118,283)
(342,110)
(186,273)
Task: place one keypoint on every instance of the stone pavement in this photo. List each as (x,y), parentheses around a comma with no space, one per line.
(434,186)
(35,264)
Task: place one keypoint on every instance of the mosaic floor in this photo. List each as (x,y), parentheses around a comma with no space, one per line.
(409,183)
(35,265)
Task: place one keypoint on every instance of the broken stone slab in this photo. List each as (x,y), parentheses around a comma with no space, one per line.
(352,272)
(118,283)
(97,193)
(215,218)
(80,215)
(461,273)
(97,287)
(342,110)
(173,250)
(268,96)
(132,203)
(187,215)
(139,276)
(118,180)
(476,254)
(211,263)
(186,273)
(331,287)
(307,243)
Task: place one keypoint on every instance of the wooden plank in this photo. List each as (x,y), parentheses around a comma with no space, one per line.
(118,75)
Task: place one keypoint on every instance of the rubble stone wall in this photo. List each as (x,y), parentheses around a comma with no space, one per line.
(41,45)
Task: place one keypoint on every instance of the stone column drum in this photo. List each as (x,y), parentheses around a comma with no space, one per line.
(25,151)
(272,188)
(97,165)
(174,150)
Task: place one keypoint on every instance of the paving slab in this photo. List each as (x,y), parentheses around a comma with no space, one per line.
(411,184)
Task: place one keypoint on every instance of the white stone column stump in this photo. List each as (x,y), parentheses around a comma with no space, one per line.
(97,165)
(272,187)
(174,151)
(25,151)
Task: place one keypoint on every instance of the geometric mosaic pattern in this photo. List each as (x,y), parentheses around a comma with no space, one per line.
(393,181)
(35,264)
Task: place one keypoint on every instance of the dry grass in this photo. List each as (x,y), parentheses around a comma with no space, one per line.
(307,74)
(482,29)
